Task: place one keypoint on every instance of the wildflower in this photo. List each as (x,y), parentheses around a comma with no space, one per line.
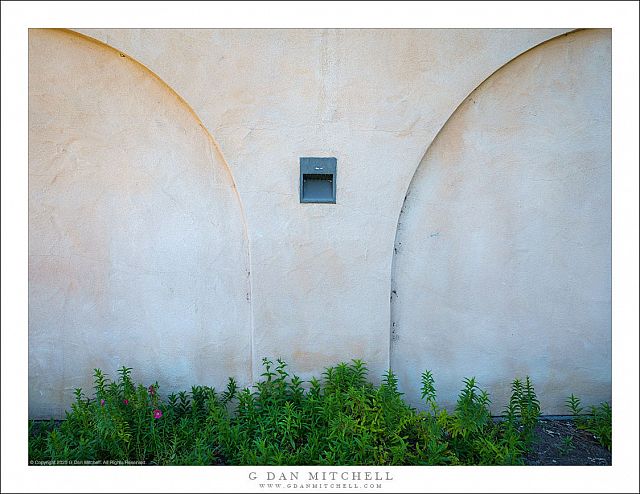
(102,402)
(157,414)
(125,401)
(152,390)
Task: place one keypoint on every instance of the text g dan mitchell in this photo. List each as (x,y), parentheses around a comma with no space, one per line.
(320,476)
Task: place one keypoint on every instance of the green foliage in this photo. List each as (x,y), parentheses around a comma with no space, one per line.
(428,390)
(567,445)
(523,410)
(598,421)
(573,404)
(475,438)
(342,419)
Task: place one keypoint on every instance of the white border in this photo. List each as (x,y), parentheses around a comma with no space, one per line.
(18,16)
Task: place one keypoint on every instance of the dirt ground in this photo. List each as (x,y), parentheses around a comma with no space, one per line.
(559,442)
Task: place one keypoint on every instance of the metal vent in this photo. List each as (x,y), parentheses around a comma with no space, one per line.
(318,180)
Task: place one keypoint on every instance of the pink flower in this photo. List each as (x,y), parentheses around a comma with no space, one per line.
(101,403)
(152,390)
(125,401)
(157,414)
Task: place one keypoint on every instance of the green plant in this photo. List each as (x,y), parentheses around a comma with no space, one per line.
(342,419)
(428,390)
(523,410)
(574,405)
(476,439)
(567,445)
(598,421)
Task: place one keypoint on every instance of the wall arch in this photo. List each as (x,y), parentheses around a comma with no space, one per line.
(502,253)
(138,251)
(371,98)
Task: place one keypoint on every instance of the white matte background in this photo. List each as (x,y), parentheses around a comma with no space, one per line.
(624,18)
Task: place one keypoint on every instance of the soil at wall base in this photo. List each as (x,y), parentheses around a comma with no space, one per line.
(560,442)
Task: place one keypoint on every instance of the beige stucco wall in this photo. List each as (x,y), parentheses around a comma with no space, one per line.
(503,247)
(319,276)
(137,249)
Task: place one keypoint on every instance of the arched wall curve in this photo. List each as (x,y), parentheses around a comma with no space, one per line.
(371,98)
(138,252)
(319,274)
(502,257)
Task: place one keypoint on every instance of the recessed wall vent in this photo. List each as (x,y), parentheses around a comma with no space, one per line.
(318,180)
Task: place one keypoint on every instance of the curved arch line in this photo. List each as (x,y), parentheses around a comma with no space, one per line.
(217,148)
(392,287)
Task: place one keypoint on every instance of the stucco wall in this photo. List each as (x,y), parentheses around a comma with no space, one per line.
(137,249)
(503,246)
(319,276)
